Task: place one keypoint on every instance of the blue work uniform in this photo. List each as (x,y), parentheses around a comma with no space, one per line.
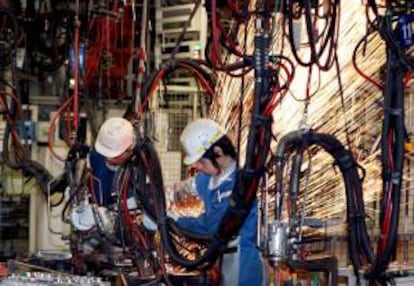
(247,268)
(104,177)
(105,187)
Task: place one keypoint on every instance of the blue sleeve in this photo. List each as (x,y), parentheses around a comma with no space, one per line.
(208,222)
(104,177)
(202,224)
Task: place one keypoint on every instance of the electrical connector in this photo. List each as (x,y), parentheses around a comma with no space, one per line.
(26,131)
(297,31)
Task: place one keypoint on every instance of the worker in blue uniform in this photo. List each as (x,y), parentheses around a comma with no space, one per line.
(113,147)
(211,152)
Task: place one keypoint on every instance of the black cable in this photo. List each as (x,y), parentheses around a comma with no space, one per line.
(384,27)
(199,66)
(342,96)
(68,203)
(327,43)
(392,157)
(244,191)
(362,42)
(357,233)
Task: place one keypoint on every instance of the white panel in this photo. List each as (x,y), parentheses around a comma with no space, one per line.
(49,226)
(46,226)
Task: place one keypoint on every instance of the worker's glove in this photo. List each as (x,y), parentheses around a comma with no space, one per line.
(181,191)
(148,223)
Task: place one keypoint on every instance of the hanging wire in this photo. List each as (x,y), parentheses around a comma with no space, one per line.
(141,59)
(241,100)
(342,95)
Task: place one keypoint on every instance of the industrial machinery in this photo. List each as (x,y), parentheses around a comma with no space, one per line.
(66,64)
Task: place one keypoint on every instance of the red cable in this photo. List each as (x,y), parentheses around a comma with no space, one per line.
(229,41)
(15,100)
(128,217)
(162,73)
(154,86)
(92,188)
(369,79)
(308,83)
(200,78)
(215,57)
(385,229)
(407,77)
(76,76)
(52,126)
(274,101)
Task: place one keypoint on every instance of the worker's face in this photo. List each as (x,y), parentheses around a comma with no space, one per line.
(206,166)
(120,159)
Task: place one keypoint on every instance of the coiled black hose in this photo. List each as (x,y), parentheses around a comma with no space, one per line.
(357,234)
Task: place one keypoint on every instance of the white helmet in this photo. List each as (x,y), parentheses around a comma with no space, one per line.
(115,137)
(197,137)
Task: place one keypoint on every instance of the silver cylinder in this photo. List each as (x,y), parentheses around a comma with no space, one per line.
(277,241)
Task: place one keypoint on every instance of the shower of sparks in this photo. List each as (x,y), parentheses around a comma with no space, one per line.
(362,113)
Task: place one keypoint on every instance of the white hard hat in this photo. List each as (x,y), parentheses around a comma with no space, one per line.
(115,137)
(197,137)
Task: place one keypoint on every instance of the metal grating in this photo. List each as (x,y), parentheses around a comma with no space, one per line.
(171,167)
(176,123)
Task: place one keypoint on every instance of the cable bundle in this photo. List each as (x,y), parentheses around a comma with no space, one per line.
(143,177)
(110,46)
(197,68)
(358,239)
(392,158)
(385,25)
(221,39)
(393,131)
(321,41)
